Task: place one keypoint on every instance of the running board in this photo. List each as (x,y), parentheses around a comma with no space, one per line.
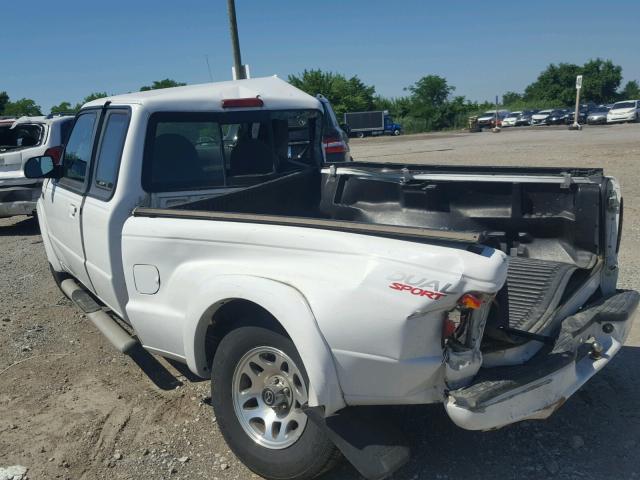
(102,320)
(375,449)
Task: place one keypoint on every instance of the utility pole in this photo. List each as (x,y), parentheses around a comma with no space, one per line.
(496,128)
(235,43)
(576,124)
(209,67)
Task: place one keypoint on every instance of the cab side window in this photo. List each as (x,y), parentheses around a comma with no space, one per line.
(77,154)
(110,152)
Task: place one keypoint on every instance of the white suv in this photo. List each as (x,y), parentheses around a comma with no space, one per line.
(21,139)
(626,111)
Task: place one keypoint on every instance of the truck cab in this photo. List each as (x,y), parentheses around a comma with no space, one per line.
(391,127)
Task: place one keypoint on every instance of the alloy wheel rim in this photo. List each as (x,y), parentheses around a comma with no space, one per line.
(268,392)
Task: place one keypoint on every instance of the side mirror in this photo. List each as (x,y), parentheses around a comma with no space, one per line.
(40,167)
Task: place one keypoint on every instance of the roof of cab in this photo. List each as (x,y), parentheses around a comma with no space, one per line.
(274,92)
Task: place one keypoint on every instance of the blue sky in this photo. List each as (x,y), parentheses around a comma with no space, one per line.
(54,51)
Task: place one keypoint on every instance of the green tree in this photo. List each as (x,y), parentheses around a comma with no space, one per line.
(345,94)
(158,84)
(631,91)
(22,107)
(557,83)
(397,107)
(4,99)
(429,97)
(94,96)
(601,80)
(509,98)
(63,107)
(90,98)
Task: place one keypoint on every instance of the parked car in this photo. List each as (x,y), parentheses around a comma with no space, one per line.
(627,111)
(363,124)
(511,119)
(335,141)
(583,113)
(21,139)
(491,118)
(524,119)
(301,289)
(540,118)
(557,117)
(597,116)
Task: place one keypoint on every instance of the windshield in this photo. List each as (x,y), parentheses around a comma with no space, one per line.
(624,105)
(600,110)
(22,136)
(489,114)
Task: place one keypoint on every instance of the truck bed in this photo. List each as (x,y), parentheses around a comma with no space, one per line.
(543,218)
(546,214)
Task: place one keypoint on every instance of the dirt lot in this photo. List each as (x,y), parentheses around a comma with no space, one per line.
(71,407)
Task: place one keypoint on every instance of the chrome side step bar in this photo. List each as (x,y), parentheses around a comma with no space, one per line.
(102,320)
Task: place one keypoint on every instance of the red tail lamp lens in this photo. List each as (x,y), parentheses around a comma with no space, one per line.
(448,327)
(334,145)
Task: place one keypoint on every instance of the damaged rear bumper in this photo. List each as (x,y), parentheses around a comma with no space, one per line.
(19,200)
(586,343)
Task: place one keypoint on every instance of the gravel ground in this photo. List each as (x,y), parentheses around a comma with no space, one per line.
(71,407)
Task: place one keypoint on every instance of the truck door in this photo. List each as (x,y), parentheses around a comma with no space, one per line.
(63,198)
(105,210)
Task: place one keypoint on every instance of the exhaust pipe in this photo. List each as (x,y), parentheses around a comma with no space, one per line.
(118,337)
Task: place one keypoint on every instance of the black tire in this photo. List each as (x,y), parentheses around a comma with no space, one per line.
(396,132)
(311,455)
(360,134)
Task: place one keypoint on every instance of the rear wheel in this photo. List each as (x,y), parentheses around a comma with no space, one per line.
(259,386)
(360,134)
(396,132)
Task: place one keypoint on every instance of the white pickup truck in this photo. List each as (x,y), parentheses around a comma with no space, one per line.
(305,290)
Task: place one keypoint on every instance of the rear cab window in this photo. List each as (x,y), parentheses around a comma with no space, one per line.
(191,151)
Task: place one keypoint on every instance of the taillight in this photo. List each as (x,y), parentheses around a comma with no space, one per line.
(470,301)
(334,145)
(242,102)
(455,320)
(55,153)
(450,325)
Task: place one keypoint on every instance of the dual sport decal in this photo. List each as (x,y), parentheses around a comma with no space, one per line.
(419,286)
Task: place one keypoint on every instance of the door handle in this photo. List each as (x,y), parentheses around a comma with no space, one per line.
(72,210)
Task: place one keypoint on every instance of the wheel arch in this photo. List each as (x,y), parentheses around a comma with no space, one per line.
(209,319)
